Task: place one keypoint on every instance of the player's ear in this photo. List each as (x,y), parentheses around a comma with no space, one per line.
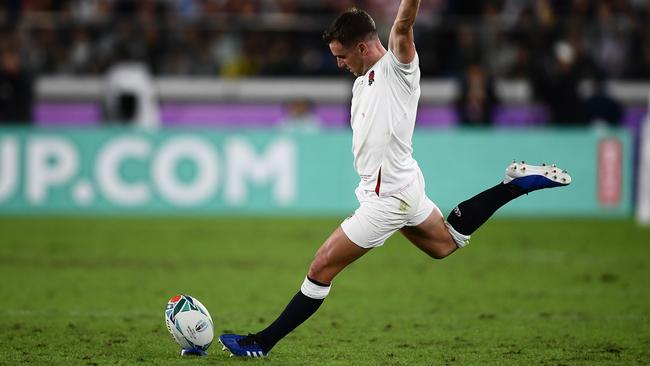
(362,48)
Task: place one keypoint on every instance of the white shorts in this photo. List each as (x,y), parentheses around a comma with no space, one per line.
(377,218)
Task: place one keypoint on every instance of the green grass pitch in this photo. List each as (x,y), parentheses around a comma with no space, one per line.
(91,291)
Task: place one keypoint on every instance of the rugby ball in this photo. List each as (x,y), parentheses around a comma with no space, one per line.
(189,323)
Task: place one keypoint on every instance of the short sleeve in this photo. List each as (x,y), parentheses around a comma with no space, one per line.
(406,74)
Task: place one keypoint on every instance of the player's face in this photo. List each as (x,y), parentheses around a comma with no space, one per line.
(347,58)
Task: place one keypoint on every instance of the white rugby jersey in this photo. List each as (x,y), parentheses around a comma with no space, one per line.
(384,105)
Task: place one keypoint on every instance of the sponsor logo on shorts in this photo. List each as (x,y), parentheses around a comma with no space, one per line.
(457,211)
(403,206)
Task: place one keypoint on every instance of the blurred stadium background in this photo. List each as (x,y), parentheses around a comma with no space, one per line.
(542,71)
(233,114)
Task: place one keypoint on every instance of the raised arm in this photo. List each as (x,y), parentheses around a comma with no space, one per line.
(401,34)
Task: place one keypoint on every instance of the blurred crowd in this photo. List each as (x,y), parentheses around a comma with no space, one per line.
(510,38)
(550,43)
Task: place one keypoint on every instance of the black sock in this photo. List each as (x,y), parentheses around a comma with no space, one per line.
(299,309)
(471,214)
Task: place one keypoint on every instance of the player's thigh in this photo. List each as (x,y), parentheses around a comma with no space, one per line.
(431,235)
(336,253)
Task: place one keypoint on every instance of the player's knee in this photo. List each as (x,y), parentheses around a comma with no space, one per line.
(442,249)
(439,254)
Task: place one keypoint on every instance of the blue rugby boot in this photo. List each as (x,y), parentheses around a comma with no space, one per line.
(533,177)
(241,346)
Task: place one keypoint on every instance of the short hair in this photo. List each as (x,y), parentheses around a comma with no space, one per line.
(349,27)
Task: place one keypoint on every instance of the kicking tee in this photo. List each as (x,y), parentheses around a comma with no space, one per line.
(384,105)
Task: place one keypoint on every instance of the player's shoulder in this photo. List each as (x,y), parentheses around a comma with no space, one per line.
(390,65)
(393,60)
